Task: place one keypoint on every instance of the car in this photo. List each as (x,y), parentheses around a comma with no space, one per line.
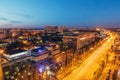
(108,77)
(115,57)
(118,57)
(109,70)
(118,64)
(114,61)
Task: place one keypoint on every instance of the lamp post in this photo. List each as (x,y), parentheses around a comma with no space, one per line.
(1,72)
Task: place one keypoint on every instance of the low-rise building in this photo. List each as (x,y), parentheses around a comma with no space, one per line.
(39,54)
(16,54)
(53,48)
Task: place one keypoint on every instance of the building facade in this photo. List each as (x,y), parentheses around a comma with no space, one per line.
(79,40)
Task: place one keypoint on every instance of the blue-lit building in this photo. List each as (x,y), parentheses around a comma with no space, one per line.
(40,53)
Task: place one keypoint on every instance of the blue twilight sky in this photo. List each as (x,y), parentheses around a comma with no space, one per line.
(59,12)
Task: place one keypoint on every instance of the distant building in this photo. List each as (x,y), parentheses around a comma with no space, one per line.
(61,28)
(51,29)
(2,33)
(52,37)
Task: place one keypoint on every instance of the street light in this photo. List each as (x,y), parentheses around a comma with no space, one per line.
(1,52)
(47,68)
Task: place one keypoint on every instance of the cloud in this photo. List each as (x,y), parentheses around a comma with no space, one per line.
(24,15)
(3,18)
(10,21)
(16,21)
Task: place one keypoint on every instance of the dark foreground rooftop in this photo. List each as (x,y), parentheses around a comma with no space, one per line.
(11,52)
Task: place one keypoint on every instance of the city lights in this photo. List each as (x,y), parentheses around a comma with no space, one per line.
(59,40)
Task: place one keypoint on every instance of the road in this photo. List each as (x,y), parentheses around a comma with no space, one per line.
(86,70)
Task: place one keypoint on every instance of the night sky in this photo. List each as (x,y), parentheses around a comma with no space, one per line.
(59,12)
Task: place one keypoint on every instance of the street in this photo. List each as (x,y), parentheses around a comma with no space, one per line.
(86,70)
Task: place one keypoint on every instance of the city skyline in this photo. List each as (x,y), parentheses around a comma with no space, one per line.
(59,40)
(58,12)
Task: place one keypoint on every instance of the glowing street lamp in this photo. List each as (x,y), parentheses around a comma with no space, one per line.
(63,52)
(97,29)
(47,68)
(1,52)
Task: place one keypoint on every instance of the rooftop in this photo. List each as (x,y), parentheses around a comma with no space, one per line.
(39,51)
(11,52)
(3,42)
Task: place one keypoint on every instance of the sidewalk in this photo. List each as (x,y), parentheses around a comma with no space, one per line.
(110,66)
(104,73)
